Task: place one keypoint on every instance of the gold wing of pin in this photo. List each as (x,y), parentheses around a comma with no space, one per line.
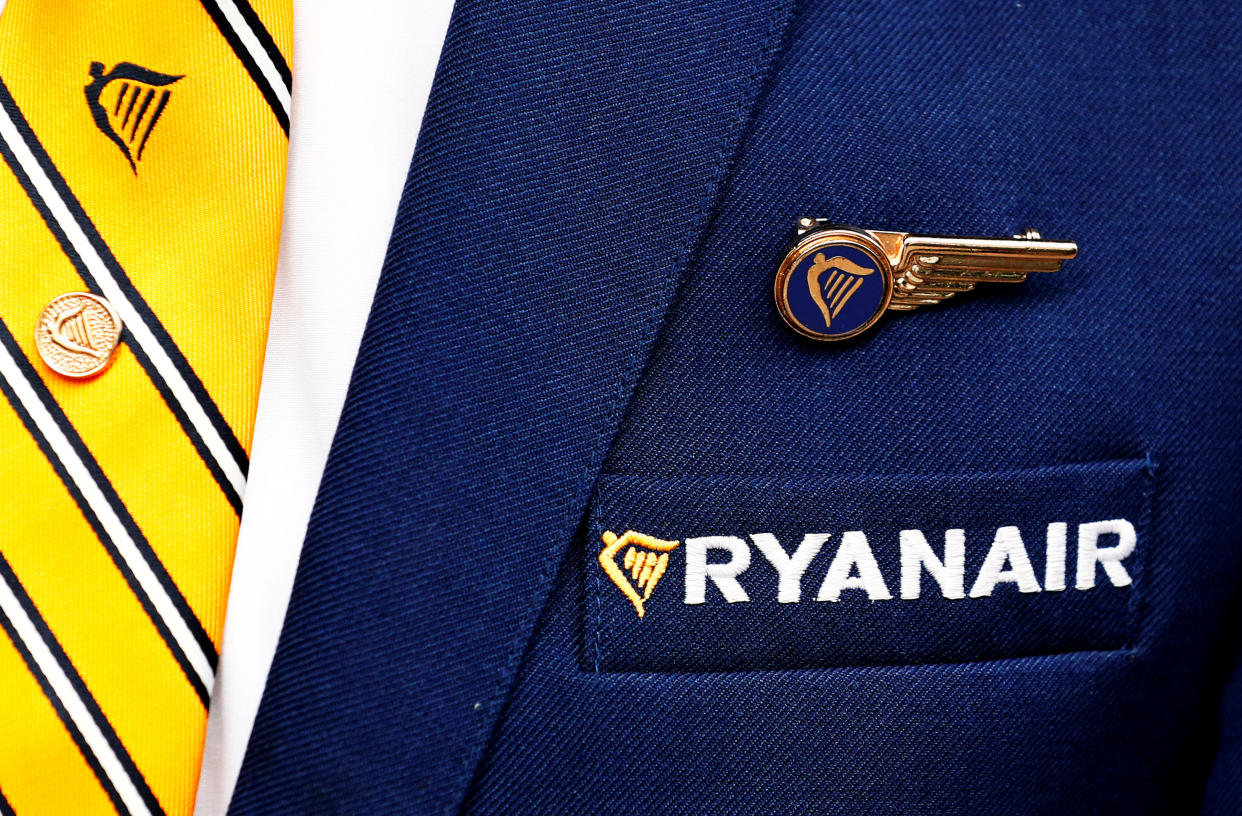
(928,269)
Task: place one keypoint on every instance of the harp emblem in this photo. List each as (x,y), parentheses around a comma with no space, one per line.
(640,568)
(77,333)
(127,103)
(69,331)
(831,294)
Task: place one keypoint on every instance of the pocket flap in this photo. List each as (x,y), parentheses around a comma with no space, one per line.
(694,574)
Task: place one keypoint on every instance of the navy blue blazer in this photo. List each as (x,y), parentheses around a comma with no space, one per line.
(574,335)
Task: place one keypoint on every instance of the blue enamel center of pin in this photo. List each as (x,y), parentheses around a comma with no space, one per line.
(835,290)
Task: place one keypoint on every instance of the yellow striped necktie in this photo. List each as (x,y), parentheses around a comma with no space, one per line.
(144,147)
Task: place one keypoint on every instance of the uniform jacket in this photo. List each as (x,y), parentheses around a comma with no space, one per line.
(574,334)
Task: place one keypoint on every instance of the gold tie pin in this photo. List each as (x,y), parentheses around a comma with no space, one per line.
(836,282)
(77,333)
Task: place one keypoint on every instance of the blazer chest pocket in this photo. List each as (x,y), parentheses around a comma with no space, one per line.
(697,574)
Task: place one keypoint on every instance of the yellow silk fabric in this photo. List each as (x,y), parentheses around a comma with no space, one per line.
(194,224)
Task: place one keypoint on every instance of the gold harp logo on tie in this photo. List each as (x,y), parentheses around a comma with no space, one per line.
(843,281)
(127,103)
(645,560)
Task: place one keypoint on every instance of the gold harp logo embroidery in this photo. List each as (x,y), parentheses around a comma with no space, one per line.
(645,559)
(832,294)
(127,103)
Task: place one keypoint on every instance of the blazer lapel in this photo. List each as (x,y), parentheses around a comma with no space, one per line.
(568,164)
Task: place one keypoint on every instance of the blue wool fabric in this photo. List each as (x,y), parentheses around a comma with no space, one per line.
(577,306)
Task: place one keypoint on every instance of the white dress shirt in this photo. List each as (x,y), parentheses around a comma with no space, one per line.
(350,146)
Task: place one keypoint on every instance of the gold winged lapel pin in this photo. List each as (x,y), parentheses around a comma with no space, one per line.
(836,282)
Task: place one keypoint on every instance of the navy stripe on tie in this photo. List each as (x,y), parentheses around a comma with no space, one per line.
(74,704)
(257,51)
(103,509)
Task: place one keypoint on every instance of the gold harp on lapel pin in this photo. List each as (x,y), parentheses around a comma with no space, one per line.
(836,282)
